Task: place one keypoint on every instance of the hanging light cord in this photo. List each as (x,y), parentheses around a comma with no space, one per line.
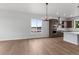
(46,11)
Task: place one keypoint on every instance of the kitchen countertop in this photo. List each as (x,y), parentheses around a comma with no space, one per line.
(73,32)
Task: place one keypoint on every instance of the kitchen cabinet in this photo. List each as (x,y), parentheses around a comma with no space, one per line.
(67,24)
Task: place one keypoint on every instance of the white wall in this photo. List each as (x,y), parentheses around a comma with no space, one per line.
(17,25)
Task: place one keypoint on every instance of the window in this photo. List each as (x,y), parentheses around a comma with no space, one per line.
(36,25)
(76,24)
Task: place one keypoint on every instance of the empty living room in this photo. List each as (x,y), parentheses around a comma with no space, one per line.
(39,28)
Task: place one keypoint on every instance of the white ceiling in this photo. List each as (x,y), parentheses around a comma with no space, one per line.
(54,9)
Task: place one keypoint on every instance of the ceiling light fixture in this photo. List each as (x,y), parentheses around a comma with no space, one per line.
(46,16)
(78,6)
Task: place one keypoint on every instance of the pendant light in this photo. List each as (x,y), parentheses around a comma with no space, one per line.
(46,18)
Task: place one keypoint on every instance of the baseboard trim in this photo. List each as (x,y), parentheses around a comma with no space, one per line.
(22,39)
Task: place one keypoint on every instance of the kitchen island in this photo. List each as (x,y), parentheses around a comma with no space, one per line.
(72,37)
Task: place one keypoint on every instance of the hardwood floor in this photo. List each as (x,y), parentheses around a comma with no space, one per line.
(45,46)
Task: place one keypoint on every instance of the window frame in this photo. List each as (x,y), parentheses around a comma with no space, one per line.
(37,28)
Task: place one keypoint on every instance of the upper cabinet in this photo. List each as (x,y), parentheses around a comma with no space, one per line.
(67,24)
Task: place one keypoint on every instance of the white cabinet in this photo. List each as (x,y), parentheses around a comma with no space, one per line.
(72,37)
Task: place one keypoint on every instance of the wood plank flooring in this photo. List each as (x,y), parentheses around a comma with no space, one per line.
(44,46)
